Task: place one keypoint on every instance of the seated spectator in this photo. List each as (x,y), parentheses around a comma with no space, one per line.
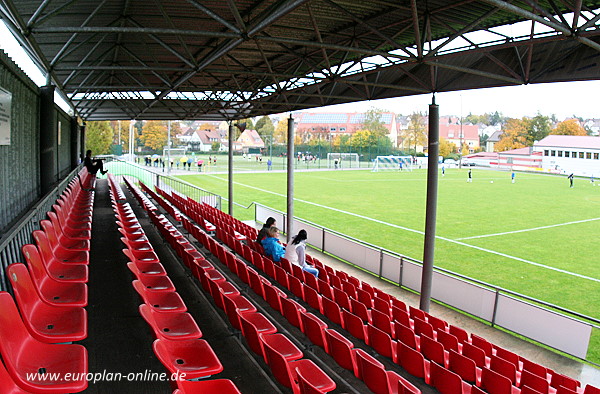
(273,248)
(295,253)
(93,165)
(263,231)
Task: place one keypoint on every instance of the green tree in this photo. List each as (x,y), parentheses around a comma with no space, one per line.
(569,127)
(264,126)
(363,139)
(154,134)
(98,137)
(538,128)
(373,122)
(514,136)
(416,133)
(446,147)
(215,146)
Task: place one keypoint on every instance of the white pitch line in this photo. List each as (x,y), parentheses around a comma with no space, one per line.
(422,233)
(530,229)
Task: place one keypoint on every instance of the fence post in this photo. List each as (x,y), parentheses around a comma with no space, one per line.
(322,239)
(495,306)
(401,271)
(380,262)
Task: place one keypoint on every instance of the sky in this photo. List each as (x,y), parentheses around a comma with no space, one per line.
(563,99)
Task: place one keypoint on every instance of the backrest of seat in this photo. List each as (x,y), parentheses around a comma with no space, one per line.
(272,297)
(589,389)
(325,289)
(251,334)
(432,349)
(382,321)
(312,297)
(353,324)
(565,381)
(242,270)
(313,328)
(23,287)
(340,349)
(447,382)
(401,316)
(380,341)
(483,344)
(296,286)
(281,276)
(534,381)
(51,234)
(534,368)
(508,355)
(405,335)
(360,310)
(364,297)
(494,383)
(331,310)
(474,353)
(311,280)
(462,366)
(290,309)
(416,313)
(459,333)
(449,341)
(13,334)
(231,311)
(43,246)
(349,289)
(304,384)
(422,327)
(7,384)
(34,263)
(381,305)
(341,298)
(372,372)
(411,360)
(504,368)
(255,283)
(437,323)
(278,364)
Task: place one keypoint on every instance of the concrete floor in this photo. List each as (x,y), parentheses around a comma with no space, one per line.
(585,373)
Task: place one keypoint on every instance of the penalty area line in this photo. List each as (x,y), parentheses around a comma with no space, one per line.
(529,229)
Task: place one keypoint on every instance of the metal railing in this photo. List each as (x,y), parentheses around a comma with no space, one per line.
(20,233)
(404,271)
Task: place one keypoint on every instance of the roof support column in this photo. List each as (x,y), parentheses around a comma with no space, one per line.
(82,141)
(74,140)
(230,171)
(431,212)
(48,139)
(290,180)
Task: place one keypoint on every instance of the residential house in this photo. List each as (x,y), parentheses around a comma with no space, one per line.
(568,154)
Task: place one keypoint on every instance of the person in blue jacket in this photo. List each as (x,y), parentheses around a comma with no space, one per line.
(273,247)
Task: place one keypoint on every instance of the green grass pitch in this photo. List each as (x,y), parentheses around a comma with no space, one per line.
(537,236)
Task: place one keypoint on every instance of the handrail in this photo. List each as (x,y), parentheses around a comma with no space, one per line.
(595,321)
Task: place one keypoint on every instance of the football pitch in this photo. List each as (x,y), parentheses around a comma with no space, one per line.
(537,237)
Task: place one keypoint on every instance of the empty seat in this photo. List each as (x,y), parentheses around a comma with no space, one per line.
(504,368)
(27,359)
(194,357)
(313,328)
(173,326)
(377,379)
(307,384)
(290,309)
(423,328)
(284,368)
(433,351)
(273,295)
(459,333)
(383,322)
(296,286)
(312,298)
(155,283)
(535,382)
(353,324)
(413,362)
(449,341)
(62,243)
(464,367)
(331,310)
(254,325)
(564,381)
(340,348)
(494,383)
(45,262)
(447,382)
(406,336)
(46,323)
(381,342)
(160,301)
(282,345)
(474,353)
(156,269)
(360,310)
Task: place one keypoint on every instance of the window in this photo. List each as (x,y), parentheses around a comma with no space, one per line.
(342,129)
(333,129)
(588,155)
(581,155)
(595,156)
(546,152)
(560,153)
(567,153)
(574,155)
(450,135)
(552,153)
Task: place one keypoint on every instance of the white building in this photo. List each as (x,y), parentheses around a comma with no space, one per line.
(568,154)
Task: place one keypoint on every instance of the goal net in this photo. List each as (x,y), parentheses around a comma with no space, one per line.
(393,163)
(343,160)
(174,152)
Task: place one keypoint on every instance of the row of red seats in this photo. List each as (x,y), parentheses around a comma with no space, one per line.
(239,226)
(50,293)
(142,199)
(163,203)
(178,343)
(283,357)
(504,368)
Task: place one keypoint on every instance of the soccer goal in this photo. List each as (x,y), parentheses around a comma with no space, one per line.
(393,163)
(343,160)
(174,152)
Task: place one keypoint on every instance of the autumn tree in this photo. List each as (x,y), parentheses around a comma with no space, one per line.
(446,147)
(98,137)
(514,135)
(154,134)
(120,132)
(280,133)
(207,126)
(363,139)
(373,123)
(569,127)
(416,133)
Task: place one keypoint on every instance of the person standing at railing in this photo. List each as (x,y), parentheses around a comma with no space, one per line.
(295,253)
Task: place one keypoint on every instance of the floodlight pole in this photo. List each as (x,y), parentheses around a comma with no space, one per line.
(431,212)
(169,147)
(290,179)
(230,170)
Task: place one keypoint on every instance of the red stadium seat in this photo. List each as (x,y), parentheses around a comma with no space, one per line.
(312,298)
(340,348)
(360,310)
(413,362)
(62,242)
(331,310)
(171,326)
(160,301)
(46,323)
(254,325)
(273,295)
(305,374)
(381,342)
(535,382)
(194,357)
(464,367)
(494,383)
(589,389)
(313,328)
(341,298)
(433,351)
(447,382)
(291,311)
(377,379)
(504,368)
(449,341)
(216,386)
(354,325)
(407,336)
(26,358)
(42,259)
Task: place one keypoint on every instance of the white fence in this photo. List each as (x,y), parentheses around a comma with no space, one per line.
(495,305)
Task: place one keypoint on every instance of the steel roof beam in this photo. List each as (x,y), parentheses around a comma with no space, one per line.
(215,16)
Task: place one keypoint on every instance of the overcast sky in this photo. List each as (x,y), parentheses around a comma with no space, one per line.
(563,99)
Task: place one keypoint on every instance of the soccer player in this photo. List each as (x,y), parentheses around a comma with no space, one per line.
(470,178)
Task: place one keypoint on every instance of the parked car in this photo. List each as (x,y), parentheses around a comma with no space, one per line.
(450,162)
(468,163)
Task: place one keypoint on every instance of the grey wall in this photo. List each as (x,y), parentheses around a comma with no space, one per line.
(19,161)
